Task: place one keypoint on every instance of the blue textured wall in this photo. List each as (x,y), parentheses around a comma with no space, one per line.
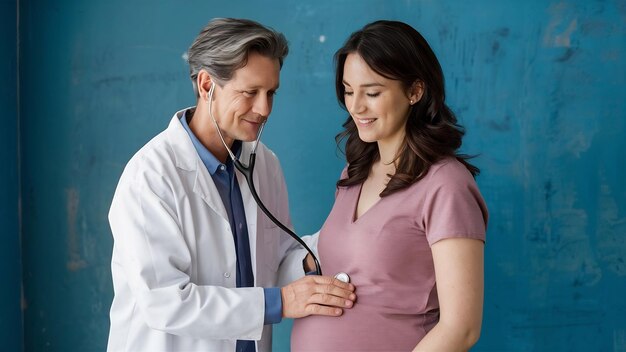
(10,271)
(538,84)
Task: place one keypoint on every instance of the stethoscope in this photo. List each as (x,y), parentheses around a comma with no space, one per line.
(247,171)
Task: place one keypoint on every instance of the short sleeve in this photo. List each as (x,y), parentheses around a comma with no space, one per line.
(344,175)
(454,207)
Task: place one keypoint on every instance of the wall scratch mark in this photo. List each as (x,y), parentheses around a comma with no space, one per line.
(564,39)
(556,35)
(611,232)
(75,263)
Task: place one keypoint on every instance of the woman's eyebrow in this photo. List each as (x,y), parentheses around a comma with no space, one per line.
(366,85)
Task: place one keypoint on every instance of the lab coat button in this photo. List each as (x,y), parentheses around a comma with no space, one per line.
(227,275)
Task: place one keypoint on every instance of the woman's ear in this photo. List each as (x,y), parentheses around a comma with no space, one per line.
(415,92)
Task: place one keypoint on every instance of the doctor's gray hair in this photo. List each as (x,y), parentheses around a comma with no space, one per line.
(223,46)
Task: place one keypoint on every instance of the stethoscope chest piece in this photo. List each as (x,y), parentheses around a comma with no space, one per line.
(342,277)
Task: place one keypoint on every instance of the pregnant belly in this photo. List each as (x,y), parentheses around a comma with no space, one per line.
(361,328)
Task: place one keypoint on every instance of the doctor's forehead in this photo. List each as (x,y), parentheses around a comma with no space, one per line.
(260,72)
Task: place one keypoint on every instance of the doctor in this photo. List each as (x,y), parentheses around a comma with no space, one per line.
(196,265)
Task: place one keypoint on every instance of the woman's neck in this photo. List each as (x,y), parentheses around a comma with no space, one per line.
(388,149)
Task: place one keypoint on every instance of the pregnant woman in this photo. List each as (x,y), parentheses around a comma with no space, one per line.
(408,223)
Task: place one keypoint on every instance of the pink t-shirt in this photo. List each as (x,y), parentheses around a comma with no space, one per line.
(387,254)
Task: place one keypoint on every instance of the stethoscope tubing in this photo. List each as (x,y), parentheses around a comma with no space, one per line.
(247,173)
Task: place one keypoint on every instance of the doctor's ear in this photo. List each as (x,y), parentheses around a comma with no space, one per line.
(204,82)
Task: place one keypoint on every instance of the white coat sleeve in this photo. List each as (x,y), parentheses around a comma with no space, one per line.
(157,264)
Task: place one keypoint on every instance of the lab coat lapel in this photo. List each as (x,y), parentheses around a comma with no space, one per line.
(206,189)
(187,159)
(250,205)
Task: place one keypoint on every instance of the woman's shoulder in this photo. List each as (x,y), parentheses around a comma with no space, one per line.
(449,170)
(344,173)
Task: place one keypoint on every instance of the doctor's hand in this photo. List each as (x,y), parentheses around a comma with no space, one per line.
(316,295)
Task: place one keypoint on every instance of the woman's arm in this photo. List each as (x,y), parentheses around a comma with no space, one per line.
(459,276)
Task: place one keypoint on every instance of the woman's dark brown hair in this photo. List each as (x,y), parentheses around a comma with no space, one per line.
(397,51)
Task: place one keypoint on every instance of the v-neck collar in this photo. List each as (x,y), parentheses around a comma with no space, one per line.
(355,206)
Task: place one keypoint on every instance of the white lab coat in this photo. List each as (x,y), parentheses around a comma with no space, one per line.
(174,262)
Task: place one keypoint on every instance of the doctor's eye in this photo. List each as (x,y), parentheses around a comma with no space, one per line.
(249,93)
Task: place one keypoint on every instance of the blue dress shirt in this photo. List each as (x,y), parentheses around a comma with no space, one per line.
(223,176)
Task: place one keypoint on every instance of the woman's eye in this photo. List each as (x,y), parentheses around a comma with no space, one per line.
(373,95)
(347,93)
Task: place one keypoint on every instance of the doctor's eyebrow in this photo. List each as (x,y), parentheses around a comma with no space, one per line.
(256,87)
(366,85)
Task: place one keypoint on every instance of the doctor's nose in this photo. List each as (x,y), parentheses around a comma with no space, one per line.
(262,105)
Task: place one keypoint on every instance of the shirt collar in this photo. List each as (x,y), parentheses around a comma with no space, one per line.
(208,159)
